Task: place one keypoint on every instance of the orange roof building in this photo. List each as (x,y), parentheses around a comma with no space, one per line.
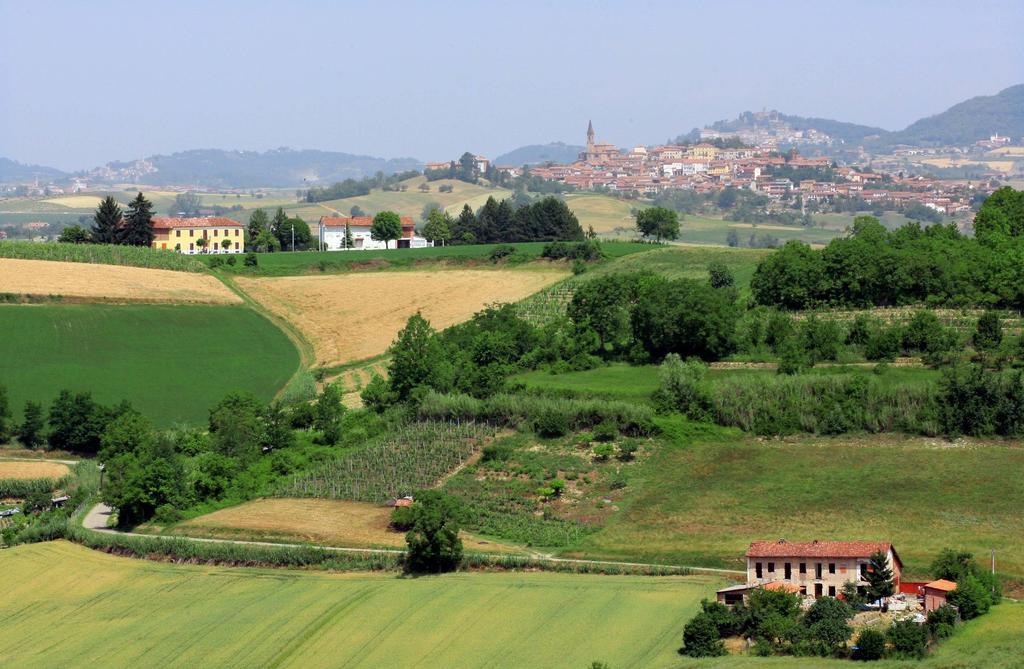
(218,235)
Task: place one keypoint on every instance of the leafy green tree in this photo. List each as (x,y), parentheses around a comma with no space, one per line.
(185,204)
(258,225)
(237,426)
(6,427)
(1001,215)
(951,564)
(909,640)
(301,230)
(225,244)
(658,222)
(429,208)
(138,223)
(387,225)
(210,475)
(989,332)
(416,359)
(329,413)
(720,276)
(879,577)
(74,234)
(76,422)
(140,483)
(30,432)
(827,622)
(684,316)
(438,226)
(37,502)
(202,243)
(277,431)
(604,306)
(792,277)
(942,621)
(852,595)
(278,223)
(773,613)
(701,637)
(107,222)
(356,211)
(971,598)
(434,543)
(129,433)
(870,646)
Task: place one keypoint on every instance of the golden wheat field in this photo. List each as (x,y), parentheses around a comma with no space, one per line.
(350,317)
(16,469)
(110,282)
(330,522)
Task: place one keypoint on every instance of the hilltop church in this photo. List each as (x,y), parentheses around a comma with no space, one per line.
(597,152)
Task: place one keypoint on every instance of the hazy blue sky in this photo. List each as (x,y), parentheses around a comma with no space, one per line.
(82,83)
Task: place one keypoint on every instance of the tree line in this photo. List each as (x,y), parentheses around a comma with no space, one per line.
(546,219)
(911,265)
(111,225)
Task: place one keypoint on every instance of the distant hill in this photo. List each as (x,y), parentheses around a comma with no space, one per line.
(12,170)
(217,168)
(969,121)
(535,154)
(851,133)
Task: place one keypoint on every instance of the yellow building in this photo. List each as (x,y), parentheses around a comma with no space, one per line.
(221,235)
(704,152)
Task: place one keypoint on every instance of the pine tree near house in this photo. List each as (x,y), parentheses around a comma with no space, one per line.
(879,577)
(138,225)
(106,221)
(258,223)
(349,243)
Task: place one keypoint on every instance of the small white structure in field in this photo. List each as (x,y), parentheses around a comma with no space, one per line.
(332,234)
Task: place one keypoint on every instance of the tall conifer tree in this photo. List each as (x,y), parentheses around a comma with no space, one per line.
(106,221)
(138,227)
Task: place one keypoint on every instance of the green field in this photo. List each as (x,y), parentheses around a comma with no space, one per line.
(172,362)
(64,605)
(707,492)
(315,262)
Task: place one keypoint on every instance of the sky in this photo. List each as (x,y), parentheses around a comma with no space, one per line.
(84,83)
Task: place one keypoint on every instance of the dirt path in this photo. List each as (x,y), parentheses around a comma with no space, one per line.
(96,520)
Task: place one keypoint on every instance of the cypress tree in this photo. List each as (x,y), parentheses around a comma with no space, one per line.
(30,432)
(138,228)
(349,243)
(278,224)
(258,223)
(106,221)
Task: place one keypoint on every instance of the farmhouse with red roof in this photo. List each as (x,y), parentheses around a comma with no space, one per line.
(332,233)
(219,235)
(812,568)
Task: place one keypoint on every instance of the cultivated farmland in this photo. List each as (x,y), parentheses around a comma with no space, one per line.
(172,362)
(21,470)
(116,612)
(110,282)
(355,316)
(328,522)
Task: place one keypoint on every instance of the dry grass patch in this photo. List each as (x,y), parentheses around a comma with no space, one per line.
(328,522)
(350,317)
(13,469)
(110,282)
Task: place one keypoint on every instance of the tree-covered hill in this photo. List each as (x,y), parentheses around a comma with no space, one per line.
(969,121)
(535,154)
(12,171)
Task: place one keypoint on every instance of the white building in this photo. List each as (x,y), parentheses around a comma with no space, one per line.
(332,234)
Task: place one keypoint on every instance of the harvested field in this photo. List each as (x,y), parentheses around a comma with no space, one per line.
(321,521)
(110,283)
(350,317)
(14,469)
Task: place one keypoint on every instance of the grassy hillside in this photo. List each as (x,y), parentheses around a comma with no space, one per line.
(739,488)
(172,362)
(116,612)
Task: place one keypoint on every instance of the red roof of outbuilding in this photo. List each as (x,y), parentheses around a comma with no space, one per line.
(941,584)
(822,549)
(356,221)
(166,222)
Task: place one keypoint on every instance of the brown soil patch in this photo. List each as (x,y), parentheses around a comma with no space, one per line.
(329,522)
(350,317)
(111,282)
(11,469)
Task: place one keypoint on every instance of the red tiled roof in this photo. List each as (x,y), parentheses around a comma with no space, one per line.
(941,584)
(823,549)
(166,222)
(357,221)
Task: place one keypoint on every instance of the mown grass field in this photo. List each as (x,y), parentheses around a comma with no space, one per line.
(172,362)
(116,612)
(707,492)
(689,262)
(328,262)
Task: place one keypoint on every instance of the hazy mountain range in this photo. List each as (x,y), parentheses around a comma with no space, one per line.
(963,123)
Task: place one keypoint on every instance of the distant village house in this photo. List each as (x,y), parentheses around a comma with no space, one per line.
(332,234)
(221,235)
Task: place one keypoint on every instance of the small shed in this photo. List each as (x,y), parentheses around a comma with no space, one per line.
(402,501)
(734,594)
(935,593)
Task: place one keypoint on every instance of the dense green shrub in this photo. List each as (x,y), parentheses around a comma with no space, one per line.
(909,640)
(701,637)
(942,621)
(683,388)
(975,401)
(870,646)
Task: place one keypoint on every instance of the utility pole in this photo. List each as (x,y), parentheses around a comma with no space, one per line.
(293,238)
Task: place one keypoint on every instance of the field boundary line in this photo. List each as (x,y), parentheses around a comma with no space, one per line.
(101,512)
(307,354)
